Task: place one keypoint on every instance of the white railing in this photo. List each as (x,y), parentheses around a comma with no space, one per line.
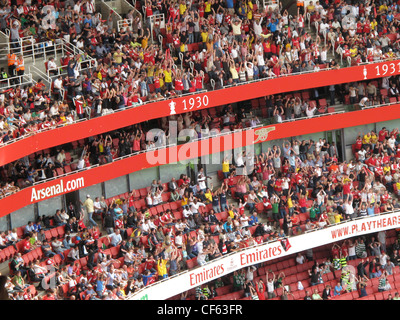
(24,46)
(62,70)
(22,80)
(124,24)
(33,70)
(314,116)
(106,7)
(156,19)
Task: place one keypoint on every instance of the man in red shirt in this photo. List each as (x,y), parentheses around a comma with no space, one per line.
(26,246)
(383,134)
(371,162)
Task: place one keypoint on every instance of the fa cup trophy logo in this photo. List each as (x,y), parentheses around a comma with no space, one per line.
(365,73)
(172,106)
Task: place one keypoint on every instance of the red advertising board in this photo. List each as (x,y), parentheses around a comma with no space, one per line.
(192,150)
(51,138)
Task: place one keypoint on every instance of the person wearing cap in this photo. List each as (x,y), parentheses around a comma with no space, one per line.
(89,205)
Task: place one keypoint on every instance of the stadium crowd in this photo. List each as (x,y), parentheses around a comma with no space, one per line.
(236,43)
(179,224)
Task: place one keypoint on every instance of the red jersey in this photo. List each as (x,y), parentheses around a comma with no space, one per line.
(118,224)
(149,11)
(79,106)
(178,84)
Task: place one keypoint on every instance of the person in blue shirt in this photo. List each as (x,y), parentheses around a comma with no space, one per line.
(337,290)
(100,285)
(146,276)
(272,25)
(88,19)
(390,16)
(222,200)
(37,226)
(371,210)
(253,220)
(29,228)
(229,4)
(228,225)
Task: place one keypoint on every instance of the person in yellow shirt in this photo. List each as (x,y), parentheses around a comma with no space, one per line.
(290,205)
(398,187)
(159,74)
(374,139)
(234,72)
(367,138)
(184,201)
(353,51)
(374,23)
(338,217)
(182,7)
(150,72)
(225,168)
(311,8)
(250,10)
(162,269)
(118,55)
(390,54)
(121,291)
(168,78)
(383,8)
(204,36)
(207,8)
(386,168)
(230,212)
(145,38)
(208,195)
(63,119)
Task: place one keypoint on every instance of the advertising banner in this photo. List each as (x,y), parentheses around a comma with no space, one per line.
(265,252)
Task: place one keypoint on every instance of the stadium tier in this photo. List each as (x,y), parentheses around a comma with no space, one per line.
(207,150)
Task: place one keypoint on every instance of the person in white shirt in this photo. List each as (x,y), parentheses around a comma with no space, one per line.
(145,227)
(310,111)
(201,180)
(323,26)
(195,205)
(178,239)
(52,66)
(249,70)
(244,221)
(300,259)
(257,26)
(97,206)
(187,212)
(149,200)
(151,224)
(73,254)
(157,198)
(115,238)
(239,160)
